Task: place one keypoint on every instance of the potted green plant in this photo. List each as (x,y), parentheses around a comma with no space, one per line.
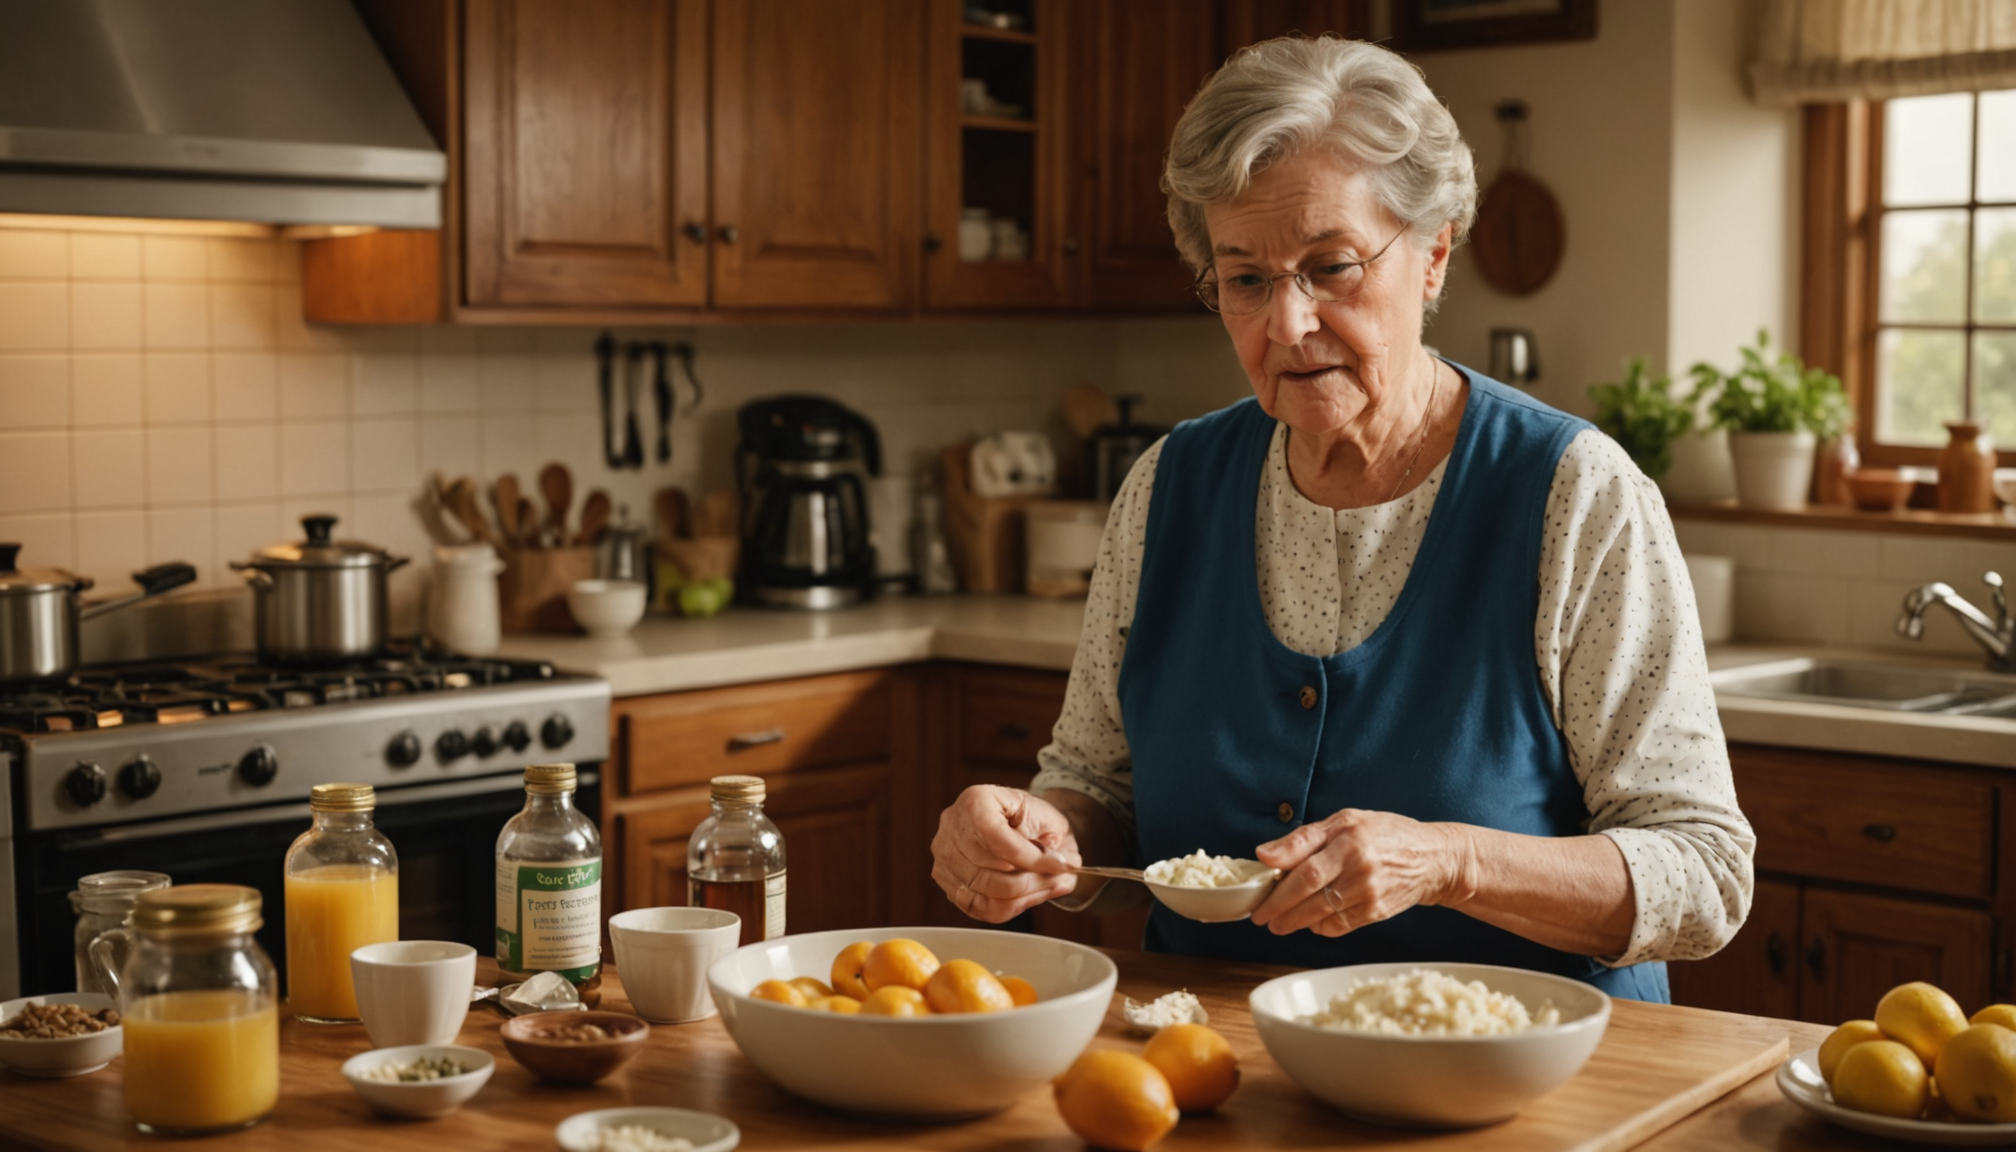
(1775,410)
(1641,413)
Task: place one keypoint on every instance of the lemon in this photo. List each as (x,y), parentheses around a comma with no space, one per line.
(2003,1014)
(1977,1073)
(1840,1040)
(1883,1077)
(1920,1017)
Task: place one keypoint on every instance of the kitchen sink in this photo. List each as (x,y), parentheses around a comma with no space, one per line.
(1890,687)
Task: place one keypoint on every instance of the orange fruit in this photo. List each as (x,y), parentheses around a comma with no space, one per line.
(780,991)
(1977,1070)
(1884,1077)
(1199,1064)
(1840,1040)
(901,962)
(811,987)
(895,1000)
(1116,1100)
(1020,991)
(1920,1017)
(963,986)
(844,1005)
(2003,1014)
(847,966)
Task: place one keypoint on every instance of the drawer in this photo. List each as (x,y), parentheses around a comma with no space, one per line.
(1896,825)
(1005,717)
(688,738)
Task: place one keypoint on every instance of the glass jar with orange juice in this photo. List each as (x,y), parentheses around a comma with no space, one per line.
(342,891)
(199,1007)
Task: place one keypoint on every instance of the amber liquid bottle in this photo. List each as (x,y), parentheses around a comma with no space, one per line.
(735,860)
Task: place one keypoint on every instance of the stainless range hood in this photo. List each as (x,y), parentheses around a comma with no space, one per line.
(272,111)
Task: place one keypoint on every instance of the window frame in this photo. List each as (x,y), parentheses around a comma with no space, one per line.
(1841,267)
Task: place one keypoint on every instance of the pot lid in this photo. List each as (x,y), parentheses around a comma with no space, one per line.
(26,580)
(319,550)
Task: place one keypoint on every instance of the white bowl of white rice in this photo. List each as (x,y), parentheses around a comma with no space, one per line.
(1213,889)
(1429,1045)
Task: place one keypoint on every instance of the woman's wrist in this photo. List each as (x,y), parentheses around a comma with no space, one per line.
(1457,868)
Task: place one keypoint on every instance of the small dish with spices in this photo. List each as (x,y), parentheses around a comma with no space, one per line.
(574,1047)
(66,1034)
(419,1081)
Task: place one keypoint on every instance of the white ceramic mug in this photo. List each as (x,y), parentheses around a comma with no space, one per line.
(663,955)
(413,991)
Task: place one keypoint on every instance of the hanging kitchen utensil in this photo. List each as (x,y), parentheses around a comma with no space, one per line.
(661,390)
(556,483)
(633,438)
(1519,234)
(594,516)
(605,374)
(684,352)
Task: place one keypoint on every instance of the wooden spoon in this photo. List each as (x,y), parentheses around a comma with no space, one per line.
(556,483)
(504,494)
(594,517)
(462,502)
(720,514)
(528,523)
(670,509)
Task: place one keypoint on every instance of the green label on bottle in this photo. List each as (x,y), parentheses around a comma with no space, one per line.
(549,917)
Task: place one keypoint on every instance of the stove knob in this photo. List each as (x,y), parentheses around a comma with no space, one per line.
(259,766)
(86,784)
(556,731)
(517,737)
(484,742)
(404,750)
(451,745)
(139,778)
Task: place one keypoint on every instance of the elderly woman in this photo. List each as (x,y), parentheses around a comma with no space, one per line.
(1419,641)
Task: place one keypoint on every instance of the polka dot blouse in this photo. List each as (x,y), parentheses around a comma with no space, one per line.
(1616,640)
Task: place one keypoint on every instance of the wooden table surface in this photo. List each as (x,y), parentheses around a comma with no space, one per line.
(698,1066)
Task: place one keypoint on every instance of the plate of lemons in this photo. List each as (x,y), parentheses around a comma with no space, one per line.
(1921,1070)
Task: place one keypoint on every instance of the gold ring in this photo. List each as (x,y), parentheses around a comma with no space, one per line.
(1331,900)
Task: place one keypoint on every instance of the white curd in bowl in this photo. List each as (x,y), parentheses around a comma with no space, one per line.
(1424,1002)
(1199,870)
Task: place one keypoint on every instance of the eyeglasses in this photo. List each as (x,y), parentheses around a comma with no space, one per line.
(1249,292)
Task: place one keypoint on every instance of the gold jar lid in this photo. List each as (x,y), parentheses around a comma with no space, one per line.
(191,909)
(342,798)
(738,789)
(549,779)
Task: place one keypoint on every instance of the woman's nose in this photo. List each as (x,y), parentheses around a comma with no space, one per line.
(1291,314)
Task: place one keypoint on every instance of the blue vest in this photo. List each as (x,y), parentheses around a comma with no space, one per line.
(1438,715)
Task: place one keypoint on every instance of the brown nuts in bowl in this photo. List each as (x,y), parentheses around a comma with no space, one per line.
(574,1047)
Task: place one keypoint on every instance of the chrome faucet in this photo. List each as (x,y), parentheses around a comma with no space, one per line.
(1998,636)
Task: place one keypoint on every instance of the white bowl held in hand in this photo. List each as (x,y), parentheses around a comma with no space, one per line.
(420,1099)
(929,1068)
(64,1055)
(607,609)
(1429,1081)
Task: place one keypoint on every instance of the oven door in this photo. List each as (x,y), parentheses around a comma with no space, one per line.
(445,835)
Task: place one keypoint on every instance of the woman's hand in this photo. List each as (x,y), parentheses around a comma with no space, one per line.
(1001,851)
(1356,868)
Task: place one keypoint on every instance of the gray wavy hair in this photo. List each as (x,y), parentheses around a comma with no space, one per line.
(1280,97)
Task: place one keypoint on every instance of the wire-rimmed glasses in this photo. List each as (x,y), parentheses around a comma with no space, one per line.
(1249,292)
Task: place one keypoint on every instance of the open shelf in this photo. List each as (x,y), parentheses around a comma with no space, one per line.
(1910,521)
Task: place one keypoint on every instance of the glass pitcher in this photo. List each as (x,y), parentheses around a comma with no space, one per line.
(103,901)
(200,1010)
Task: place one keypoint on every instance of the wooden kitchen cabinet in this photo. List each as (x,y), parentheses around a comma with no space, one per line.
(1871,873)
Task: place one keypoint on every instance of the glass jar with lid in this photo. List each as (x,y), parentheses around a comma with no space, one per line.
(199,1008)
(735,859)
(103,901)
(342,890)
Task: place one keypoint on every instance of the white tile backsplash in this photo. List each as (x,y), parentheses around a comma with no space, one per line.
(177,387)
(174,258)
(247,461)
(47,539)
(241,315)
(313,384)
(188,534)
(385,455)
(34,471)
(177,314)
(34,392)
(28,255)
(105,315)
(104,256)
(113,545)
(315,458)
(245,385)
(109,468)
(34,316)
(179,467)
(105,390)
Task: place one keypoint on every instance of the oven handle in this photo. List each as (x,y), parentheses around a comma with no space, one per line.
(418,794)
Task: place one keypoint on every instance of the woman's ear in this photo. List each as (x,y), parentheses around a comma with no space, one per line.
(1438,263)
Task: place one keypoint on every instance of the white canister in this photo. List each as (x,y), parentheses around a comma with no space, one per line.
(1063,540)
(462,614)
(976,236)
(1714,580)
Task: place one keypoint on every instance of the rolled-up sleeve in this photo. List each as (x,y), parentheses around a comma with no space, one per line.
(1620,652)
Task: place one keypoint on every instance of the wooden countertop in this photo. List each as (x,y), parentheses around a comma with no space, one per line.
(698,1066)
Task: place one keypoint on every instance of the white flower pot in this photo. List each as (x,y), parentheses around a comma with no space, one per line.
(1773,469)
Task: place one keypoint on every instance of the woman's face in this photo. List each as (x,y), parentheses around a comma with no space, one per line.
(1319,367)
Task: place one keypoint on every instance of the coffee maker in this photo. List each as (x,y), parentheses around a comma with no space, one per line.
(805,509)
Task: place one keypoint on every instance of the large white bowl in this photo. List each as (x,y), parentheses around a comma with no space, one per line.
(65,1056)
(931,1068)
(1429,1081)
(420,1099)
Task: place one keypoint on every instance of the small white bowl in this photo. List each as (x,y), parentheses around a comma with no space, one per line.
(1429,1081)
(420,1099)
(1216,905)
(607,609)
(929,1068)
(68,1055)
(708,1132)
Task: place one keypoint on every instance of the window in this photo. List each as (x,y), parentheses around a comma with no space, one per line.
(1910,274)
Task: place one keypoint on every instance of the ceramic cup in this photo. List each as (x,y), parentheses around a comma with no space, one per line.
(663,955)
(413,991)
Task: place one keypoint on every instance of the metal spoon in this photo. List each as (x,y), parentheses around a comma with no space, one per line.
(1113,873)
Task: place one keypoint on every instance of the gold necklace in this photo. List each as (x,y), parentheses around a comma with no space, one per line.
(1426,416)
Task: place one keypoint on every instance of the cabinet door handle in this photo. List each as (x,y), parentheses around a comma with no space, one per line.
(1774,953)
(1881,833)
(695,231)
(1013,731)
(933,242)
(741,740)
(1816,959)
(728,234)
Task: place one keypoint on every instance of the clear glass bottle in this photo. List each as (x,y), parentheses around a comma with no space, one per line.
(199,1004)
(549,886)
(735,860)
(342,892)
(104,901)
